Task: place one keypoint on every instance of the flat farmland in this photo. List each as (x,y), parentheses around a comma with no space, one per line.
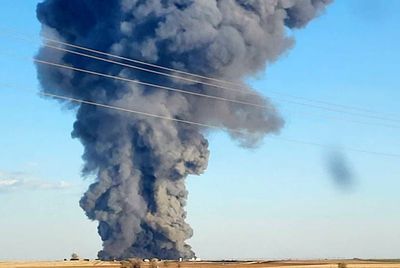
(208,264)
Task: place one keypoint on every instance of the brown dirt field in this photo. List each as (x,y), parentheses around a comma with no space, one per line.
(204,264)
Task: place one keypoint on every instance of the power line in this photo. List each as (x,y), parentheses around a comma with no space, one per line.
(198,94)
(240,89)
(213,85)
(194,75)
(247,92)
(190,74)
(148,84)
(121,109)
(190,92)
(329,117)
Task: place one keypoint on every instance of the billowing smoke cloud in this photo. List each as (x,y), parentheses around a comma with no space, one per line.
(340,169)
(141,163)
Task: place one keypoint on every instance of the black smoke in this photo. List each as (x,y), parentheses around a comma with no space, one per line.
(141,163)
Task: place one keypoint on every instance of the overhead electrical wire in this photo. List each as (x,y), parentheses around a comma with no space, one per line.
(190,92)
(243,92)
(189,122)
(329,117)
(148,84)
(193,75)
(173,89)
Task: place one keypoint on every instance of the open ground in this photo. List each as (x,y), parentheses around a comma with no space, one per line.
(209,264)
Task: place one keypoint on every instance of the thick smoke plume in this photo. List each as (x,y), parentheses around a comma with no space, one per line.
(141,163)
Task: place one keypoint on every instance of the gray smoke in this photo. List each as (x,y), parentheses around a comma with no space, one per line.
(141,163)
(340,169)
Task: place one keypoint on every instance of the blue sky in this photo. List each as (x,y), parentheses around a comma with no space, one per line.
(276,201)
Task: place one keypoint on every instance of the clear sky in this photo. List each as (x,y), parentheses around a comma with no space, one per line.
(276,201)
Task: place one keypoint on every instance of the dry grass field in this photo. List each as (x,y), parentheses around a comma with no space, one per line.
(205,264)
